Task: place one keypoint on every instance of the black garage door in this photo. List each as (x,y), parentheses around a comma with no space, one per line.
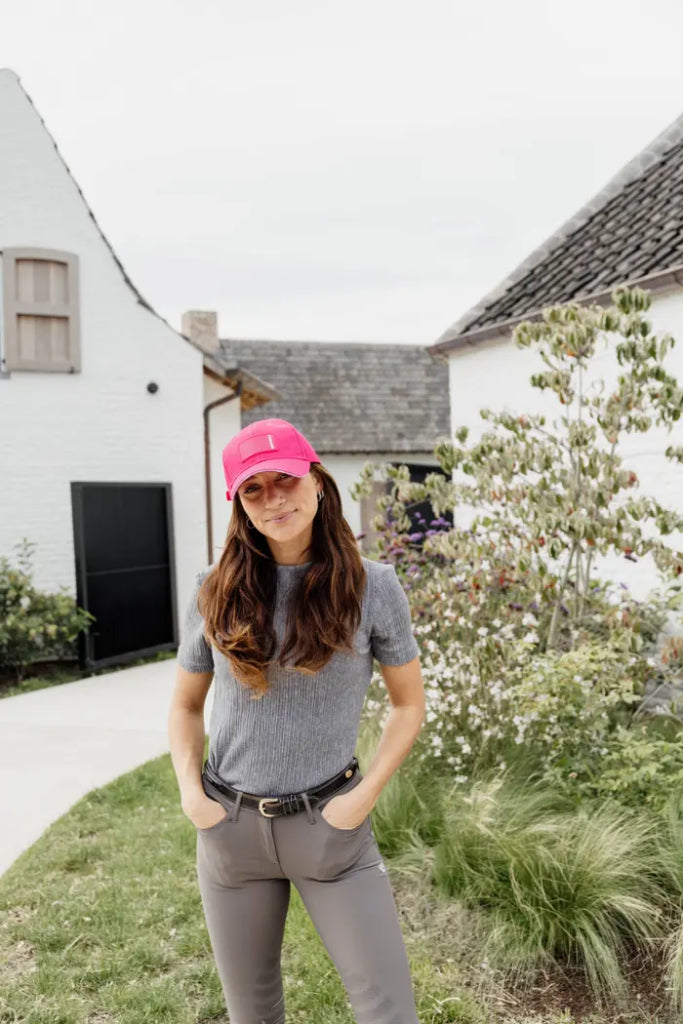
(123,535)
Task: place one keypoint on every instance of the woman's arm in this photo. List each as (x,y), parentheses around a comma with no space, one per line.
(186,734)
(406,695)
(407,698)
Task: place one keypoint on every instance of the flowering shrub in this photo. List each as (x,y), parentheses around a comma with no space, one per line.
(500,700)
(525,652)
(34,626)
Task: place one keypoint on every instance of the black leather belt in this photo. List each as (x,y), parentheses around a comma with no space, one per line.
(292,802)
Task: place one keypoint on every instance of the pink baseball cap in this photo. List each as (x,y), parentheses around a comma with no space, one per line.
(266,446)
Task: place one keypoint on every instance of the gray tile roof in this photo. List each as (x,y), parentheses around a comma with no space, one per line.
(631,229)
(348,397)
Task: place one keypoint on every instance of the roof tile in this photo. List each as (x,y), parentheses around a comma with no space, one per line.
(633,228)
(350,398)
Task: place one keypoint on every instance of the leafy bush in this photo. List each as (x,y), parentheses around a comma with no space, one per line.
(34,626)
(525,653)
(493,697)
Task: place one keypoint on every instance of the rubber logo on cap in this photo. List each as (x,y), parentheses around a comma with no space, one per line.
(254,445)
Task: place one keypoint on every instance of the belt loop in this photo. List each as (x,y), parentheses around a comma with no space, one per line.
(236,807)
(309,812)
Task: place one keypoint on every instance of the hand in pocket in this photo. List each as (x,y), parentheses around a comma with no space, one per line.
(207,813)
(349,810)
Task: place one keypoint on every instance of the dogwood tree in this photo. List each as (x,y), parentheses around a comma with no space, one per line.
(553,495)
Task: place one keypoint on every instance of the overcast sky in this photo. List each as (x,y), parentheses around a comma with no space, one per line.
(364,170)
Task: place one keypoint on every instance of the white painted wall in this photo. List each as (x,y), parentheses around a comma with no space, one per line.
(100,424)
(346,470)
(496,375)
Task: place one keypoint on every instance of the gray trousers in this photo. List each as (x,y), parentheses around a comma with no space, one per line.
(245,864)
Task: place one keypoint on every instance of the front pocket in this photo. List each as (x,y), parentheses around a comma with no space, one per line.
(343,831)
(346,788)
(351,784)
(217,824)
(212,828)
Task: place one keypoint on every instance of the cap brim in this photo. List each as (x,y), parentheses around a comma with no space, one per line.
(296,467)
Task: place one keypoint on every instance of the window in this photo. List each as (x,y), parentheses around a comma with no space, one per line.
(41,315)
(420,514)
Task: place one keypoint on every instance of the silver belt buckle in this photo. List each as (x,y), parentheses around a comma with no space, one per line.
(267,800)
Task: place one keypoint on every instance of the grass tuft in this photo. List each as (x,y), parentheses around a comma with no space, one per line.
(557,884)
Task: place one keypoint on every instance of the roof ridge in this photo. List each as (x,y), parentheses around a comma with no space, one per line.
(141,300)
(347,344)
(631,171)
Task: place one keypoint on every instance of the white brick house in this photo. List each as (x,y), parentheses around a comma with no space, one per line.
(630,233)
(96,389)
(112,423)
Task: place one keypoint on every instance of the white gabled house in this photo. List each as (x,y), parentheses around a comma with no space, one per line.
(103,422)
(112,423)
(630,233)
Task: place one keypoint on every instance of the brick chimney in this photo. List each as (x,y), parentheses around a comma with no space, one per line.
(201,327)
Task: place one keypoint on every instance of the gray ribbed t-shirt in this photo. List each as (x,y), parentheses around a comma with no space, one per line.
(305,728)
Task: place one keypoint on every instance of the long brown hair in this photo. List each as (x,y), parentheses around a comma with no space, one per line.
(237,598)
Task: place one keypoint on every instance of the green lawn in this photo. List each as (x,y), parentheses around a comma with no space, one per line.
(101,923)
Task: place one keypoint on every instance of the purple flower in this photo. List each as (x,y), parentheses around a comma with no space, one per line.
(415,536)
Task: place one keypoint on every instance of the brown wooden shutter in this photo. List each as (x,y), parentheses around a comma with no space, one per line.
(40,290)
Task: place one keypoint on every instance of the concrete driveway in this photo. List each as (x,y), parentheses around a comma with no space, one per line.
(59,743)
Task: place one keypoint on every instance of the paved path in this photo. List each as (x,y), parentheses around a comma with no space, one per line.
(59,743)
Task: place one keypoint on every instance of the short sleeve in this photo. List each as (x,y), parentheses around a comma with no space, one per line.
(391,638)
(194,653)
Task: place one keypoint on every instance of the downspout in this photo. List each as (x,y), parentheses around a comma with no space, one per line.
(207,464)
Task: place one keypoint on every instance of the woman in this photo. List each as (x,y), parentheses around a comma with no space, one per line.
(288,621)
